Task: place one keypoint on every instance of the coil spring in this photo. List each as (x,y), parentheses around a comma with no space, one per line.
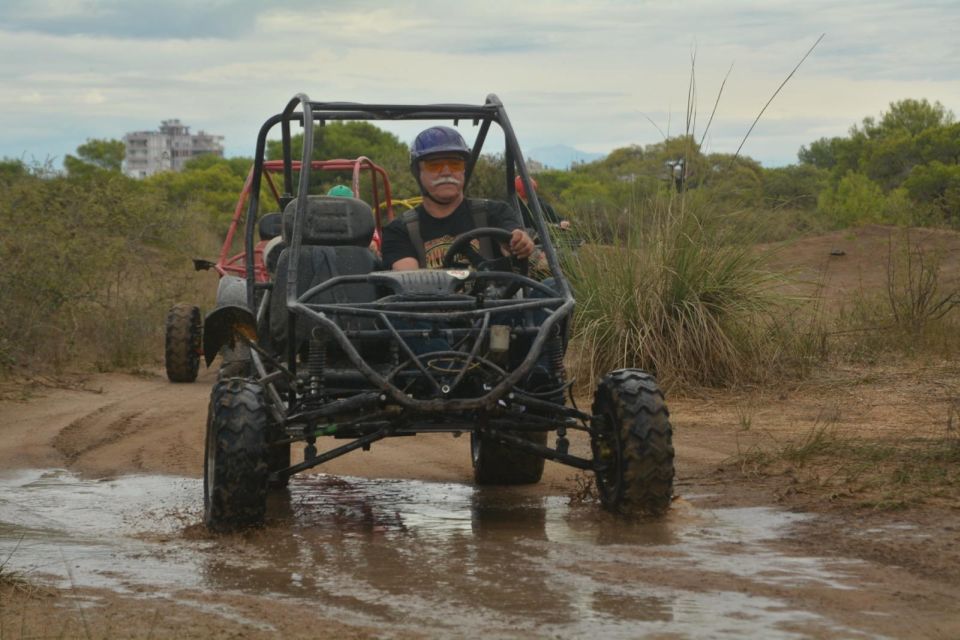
(555,355)
(316,363)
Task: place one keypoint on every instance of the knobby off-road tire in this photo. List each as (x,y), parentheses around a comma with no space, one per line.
(182,344)
(235,464)
(498,463)
(635,442)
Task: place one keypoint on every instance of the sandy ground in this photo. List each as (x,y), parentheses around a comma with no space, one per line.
(110,425)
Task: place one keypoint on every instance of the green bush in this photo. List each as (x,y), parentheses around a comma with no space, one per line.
(936,185)
(90,265)
(855,200)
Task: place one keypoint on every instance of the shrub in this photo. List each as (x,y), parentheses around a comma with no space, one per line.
(676,296)
(915,314)
(856,200)
(90,266)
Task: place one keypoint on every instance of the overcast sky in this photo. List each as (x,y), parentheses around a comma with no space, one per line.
(595,75)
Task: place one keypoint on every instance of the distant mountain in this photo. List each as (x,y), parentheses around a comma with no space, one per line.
(561,156)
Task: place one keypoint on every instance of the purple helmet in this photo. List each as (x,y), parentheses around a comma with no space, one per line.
(438,140)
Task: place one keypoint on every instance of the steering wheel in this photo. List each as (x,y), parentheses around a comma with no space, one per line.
(461,246)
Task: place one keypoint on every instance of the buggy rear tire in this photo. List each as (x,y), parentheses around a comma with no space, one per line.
(235,462)
(634,440)
(497,463)
(182,347)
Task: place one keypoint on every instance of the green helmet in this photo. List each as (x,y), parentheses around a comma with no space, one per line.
(340,191)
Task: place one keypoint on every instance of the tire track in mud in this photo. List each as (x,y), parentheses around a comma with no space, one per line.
(136,425)
(96,430)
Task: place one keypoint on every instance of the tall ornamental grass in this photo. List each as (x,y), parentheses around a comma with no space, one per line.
(676,295)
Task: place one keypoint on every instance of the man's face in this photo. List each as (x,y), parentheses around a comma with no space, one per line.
(442,177)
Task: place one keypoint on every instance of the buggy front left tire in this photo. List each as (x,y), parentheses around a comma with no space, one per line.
(236,460)
(633,441)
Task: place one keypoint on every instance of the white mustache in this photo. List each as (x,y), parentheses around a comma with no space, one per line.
(444,180)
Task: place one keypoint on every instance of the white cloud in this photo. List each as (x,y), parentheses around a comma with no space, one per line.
(93,97)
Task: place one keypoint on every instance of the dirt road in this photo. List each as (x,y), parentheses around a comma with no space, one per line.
(101,507)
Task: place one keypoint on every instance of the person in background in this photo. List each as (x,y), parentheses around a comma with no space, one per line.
(550,216)
(343,191)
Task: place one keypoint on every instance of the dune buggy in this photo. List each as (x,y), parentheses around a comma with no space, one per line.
(342,350)
(183,348)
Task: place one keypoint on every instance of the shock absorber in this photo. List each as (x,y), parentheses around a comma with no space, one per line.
(555,357)
(316,363)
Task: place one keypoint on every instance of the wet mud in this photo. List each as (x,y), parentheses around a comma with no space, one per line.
(442,559)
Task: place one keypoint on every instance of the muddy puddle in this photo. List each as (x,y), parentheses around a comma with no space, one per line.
(444,559)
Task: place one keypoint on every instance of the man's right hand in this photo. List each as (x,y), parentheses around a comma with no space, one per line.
(521,244)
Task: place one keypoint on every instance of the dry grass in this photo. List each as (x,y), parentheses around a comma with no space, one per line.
(879,472)
(914,314)
(14,582)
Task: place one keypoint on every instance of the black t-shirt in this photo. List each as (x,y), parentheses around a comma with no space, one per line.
(439,233)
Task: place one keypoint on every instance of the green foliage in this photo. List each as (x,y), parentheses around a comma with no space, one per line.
(794,186)
(348,140)
(238,166)
(855,200)
(96,155)
(940,144)
(909,116)
(733,182)
(674,293)
(911,133)
(938,185)
(888,161)
(487,178)
(86,271)
(211,190)
(12,170)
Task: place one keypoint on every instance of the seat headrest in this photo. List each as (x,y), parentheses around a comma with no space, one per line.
(270,226)
(332,221)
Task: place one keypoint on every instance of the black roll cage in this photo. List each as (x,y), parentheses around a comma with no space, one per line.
(559,305)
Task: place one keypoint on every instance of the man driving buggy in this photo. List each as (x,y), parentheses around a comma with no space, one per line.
(421,237)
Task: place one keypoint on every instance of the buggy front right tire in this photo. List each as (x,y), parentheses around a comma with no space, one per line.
(182,346)
(235,466)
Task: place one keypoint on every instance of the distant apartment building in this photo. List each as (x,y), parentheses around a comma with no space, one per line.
(149,152)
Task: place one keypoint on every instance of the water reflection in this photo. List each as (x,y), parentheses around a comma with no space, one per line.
(448,558)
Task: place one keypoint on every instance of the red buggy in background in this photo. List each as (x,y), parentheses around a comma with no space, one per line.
(183,348)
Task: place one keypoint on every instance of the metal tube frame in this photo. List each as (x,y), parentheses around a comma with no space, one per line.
(559,306)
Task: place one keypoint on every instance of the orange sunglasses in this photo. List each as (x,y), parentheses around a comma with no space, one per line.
(436,165)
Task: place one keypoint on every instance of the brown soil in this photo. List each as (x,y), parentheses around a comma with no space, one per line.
(113,424)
